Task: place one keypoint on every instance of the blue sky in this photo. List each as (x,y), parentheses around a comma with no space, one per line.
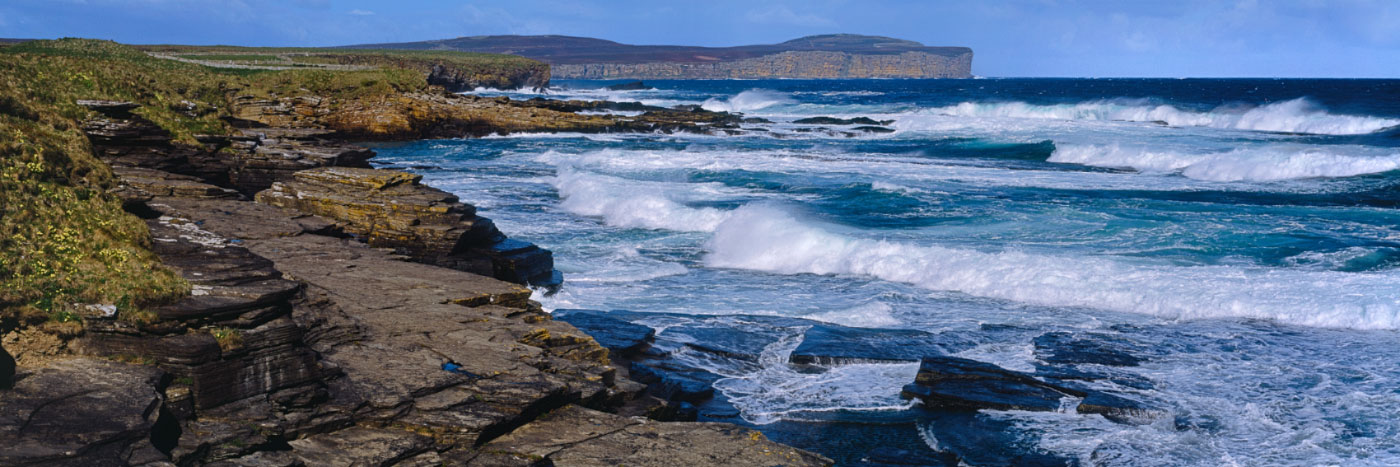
(1209,38)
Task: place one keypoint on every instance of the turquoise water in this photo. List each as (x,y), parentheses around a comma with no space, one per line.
(1243,232)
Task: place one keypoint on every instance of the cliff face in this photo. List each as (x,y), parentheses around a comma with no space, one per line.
(803,65)
(813,57)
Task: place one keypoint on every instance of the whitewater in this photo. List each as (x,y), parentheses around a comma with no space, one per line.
(1242,235)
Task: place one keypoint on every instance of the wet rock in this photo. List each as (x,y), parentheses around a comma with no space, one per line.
(577,436)
(391,209)
(960,383)
(828,344)
(874,129)
(674,382)
(1120,409)
(361,446)
(7,369)
(895,456)
(81,412)
(1077,373)
(978,439)
(623,338)
(630,86)
(1067,348)
(841,121)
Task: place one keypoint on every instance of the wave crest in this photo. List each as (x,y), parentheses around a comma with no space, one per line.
(766,238)
(1262,164)
(1292,116)
(747,101)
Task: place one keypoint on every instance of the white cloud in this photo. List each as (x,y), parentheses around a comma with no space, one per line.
(780,14)
(358,12)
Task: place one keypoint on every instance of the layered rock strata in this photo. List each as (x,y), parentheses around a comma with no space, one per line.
(392,209)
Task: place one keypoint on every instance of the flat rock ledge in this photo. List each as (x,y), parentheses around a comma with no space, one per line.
(391,209)
(301,345)
(576,436)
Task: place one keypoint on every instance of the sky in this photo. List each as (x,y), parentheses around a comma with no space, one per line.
(1071,38)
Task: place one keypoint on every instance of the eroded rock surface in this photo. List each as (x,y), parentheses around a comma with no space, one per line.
(392,209)
(577,436)
(82,412)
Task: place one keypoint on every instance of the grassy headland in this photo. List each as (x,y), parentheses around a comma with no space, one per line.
(65,242)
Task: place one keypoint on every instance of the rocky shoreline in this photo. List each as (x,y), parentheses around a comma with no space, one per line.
(341,315)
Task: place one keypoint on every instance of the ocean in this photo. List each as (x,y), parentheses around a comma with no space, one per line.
(1241,236)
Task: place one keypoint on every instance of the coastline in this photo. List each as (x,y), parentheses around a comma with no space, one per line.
(339,314)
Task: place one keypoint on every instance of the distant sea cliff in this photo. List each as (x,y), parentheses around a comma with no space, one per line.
(814,57)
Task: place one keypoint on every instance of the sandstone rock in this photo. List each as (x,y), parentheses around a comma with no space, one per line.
(361,447)
(576,436)
(391,209)
(81,412)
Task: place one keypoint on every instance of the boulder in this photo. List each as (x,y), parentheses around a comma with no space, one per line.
(576,436)
(960,383)
(392,209)
(82,412)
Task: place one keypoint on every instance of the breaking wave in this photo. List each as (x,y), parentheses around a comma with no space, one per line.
(766,238)
(747,101)
(1292,116)
(1258,164)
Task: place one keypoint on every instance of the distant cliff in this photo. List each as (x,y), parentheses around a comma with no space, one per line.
(813,57)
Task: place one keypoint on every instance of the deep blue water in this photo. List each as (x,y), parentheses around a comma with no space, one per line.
(1243,233)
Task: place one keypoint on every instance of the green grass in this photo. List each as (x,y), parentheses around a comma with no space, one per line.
(64,241)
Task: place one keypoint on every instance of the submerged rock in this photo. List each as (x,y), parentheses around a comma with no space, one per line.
(1066,348)
(829,344)
(674,382)
(1119,409)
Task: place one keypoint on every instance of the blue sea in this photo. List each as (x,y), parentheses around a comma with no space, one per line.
(1241,236)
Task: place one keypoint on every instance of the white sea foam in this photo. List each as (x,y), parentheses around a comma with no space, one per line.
(777,391)
(766,238)
(1292,116)
(747,101)
(870,315)
(1252,164)
(625,203)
